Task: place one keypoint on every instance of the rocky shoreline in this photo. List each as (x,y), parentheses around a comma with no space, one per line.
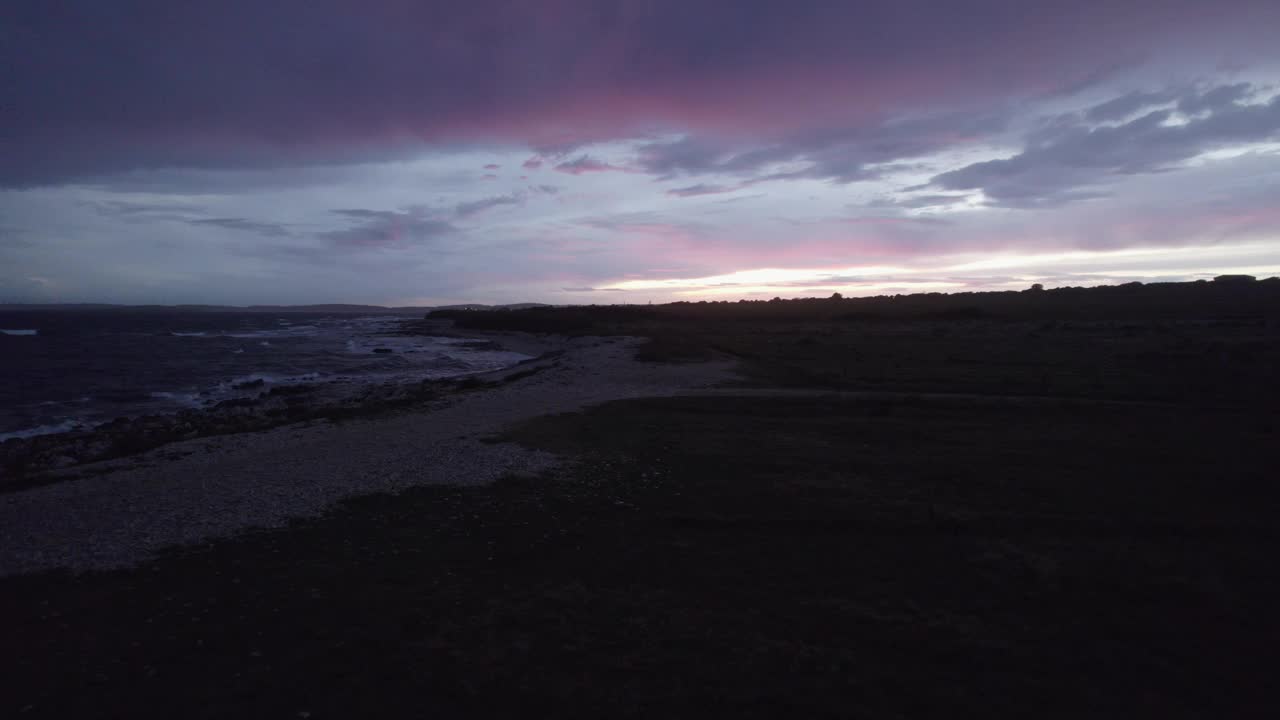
(23,461)
(115,513)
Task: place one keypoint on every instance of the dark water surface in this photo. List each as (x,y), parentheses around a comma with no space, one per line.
(61,368)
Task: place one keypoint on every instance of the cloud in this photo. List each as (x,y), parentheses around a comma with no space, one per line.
(873,220)
(91,91)
(183,212)
(586,164)
(1223,96)
(385,229)
(926,201)
(11,238)
(472,208)
(703,189)
(1126,105)
(841,154)
(245,225)
(475,207)
(206,146)
(1072,160)
(134,211)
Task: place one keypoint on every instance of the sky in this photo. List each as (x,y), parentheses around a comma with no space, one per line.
(430,152)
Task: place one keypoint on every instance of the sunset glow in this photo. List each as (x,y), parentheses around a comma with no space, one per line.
(577,152)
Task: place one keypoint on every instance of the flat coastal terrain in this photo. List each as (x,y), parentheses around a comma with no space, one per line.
(116,513)
(815,509)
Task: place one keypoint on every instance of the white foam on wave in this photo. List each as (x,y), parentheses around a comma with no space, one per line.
(5,331)
(238,383)
(250,378)
(284,332)
(64,426)
(189,334)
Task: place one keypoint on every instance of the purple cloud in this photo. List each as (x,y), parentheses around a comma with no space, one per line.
(586,164)
(245,225)
(475,207)
(839,154)
(385,229)
(94,89)
(1070,160)
(702,189)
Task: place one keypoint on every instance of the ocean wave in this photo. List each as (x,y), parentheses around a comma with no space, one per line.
(325,350)
(183,398)
(286,332)
(4,331)
(61,427)
(257,379)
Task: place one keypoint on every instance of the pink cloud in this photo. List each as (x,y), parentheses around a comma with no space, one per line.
(557,72)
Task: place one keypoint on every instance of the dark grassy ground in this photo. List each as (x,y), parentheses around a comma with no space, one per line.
(818,556)
(1211,343)
(829,558)
(1228,363)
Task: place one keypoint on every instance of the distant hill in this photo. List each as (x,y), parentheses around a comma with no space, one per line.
(478,306)
(1225,300)
(337,308)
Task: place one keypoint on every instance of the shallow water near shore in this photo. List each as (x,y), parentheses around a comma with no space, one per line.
(77,369)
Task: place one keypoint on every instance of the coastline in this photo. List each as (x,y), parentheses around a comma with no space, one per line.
(27,460)
(524,542)
(118,512)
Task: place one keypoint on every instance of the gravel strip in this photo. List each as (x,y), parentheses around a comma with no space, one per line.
(200,490)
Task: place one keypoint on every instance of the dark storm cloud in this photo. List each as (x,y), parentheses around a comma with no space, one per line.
(1069,160)
(95,87)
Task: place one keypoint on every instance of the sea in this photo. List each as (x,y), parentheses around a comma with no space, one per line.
(64,370)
